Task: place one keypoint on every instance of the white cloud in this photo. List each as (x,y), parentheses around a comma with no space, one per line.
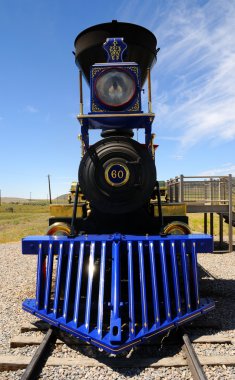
(31,109)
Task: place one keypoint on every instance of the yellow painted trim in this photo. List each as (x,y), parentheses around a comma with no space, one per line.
(169,209)
(65,211)
(43,317)
(187,319)
(209,308)
(27,309)
(160,331)
(117,349)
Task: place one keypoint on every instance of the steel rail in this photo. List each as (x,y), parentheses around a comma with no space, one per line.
(192,359)
(37,362)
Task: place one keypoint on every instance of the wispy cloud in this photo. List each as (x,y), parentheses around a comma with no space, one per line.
(31,109)
(177,157)
(194,80)
(198,56)
(72,115)
(224,169)
(168,138)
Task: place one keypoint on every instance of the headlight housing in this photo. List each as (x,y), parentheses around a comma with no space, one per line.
(115,88)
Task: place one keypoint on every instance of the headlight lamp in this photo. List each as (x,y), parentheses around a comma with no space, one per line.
(115,88)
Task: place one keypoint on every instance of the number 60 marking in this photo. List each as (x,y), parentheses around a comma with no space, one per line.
(115,174)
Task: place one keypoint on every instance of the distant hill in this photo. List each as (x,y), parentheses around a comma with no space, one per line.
(63,196)
(19,200)
(61,199)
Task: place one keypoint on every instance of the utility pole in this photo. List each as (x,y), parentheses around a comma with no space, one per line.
(49,184)
(0,197)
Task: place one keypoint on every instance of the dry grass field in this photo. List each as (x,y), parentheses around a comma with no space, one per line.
(18,220)
(196,223)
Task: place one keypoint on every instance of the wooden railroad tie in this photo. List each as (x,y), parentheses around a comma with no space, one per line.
(22,340)
(13,363)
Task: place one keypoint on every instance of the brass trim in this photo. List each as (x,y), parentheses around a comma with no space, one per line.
(149,91)
(81,92)
(108,115)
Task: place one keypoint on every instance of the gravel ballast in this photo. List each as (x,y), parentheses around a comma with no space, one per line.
(18,274)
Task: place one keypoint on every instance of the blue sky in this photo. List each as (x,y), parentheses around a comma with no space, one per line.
(193,87)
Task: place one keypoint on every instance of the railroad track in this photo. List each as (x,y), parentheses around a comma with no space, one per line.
(193,360)
(43,355)
(38,360)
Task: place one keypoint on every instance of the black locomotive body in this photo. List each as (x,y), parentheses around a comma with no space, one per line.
(122,268)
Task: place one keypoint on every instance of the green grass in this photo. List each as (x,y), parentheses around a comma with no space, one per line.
(196,223)
(20,220)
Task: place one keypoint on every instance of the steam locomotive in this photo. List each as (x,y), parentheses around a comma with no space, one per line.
(122,267)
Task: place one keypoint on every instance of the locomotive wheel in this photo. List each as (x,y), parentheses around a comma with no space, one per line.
(177,228)
(59,229)
(117,175)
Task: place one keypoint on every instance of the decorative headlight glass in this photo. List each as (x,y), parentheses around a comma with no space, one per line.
(115,88)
